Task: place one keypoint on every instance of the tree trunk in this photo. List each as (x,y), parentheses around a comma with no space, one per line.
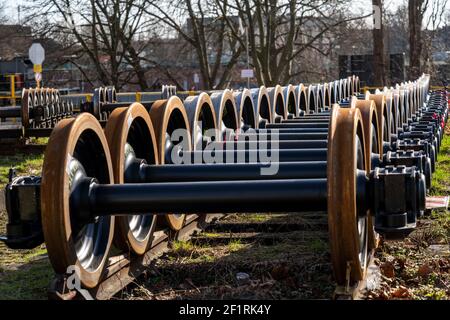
(379,63)
(415,37)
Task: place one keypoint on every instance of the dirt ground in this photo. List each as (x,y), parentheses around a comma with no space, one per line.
(258,257)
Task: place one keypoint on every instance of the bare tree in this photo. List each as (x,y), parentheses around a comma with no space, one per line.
(281,31)
(418,52)
(99,32)
(379,60)
(203,27)
(415,17)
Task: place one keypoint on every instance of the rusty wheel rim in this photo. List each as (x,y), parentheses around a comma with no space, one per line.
(75,145)
(168,116)
(202,118)
(290,99)
(130,135)
(226,113)
(245,110)
(261,103)
(312,100)
(372,145)
(347,227)
(302,101)
(25,107)
(277,103)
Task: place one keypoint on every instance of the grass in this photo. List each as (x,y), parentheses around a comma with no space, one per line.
(24,164)
(441,177)
(30,281)
(24,274)
(292,267)
(42,141)
(410,268)
(235,245)
(267,218)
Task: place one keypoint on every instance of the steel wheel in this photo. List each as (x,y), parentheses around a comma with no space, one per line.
(76,148)
(27,103)
(130,135)
(202,117)
(226,113)
(168,116)
(372,144)
(347,227)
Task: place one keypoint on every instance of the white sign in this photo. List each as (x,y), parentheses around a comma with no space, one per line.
(38,76)
(247,73)
(36,53)
(196,78)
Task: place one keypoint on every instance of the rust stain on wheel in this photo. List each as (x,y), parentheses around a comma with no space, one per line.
(302,100)
(201,117)
(76,147)
(168,116)
(372,145)
(25,107)
(261,103)
(130,135)
(279,109)
(226,111)
(200,110)
(290,99)
(383,118)
(347,229)
(312,99)
(245,109)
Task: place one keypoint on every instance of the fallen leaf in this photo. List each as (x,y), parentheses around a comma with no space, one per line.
(401,263)
(280,272)
(387,269)
(383,295)
(424,270)
(401,292)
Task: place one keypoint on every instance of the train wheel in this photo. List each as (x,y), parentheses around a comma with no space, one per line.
(130,136)
(347,223)
(371,134)
(202,120)
(168,116)
(27,104)
(77,148)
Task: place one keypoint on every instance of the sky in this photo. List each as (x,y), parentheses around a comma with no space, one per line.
(359,5)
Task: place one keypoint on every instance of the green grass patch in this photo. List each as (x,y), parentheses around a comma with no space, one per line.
(41,141)
(22,274)
(28,282)
(182,247)
(211,235)
(318,245)
(235,245)
(441,177)
(24,164)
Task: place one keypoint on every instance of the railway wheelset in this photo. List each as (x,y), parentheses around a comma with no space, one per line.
(105,99)
(113,186)
(40,110)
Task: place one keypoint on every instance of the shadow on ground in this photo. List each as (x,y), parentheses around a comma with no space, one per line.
(265,264)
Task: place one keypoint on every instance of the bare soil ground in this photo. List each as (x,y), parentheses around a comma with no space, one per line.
(419,267)
(262,256)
